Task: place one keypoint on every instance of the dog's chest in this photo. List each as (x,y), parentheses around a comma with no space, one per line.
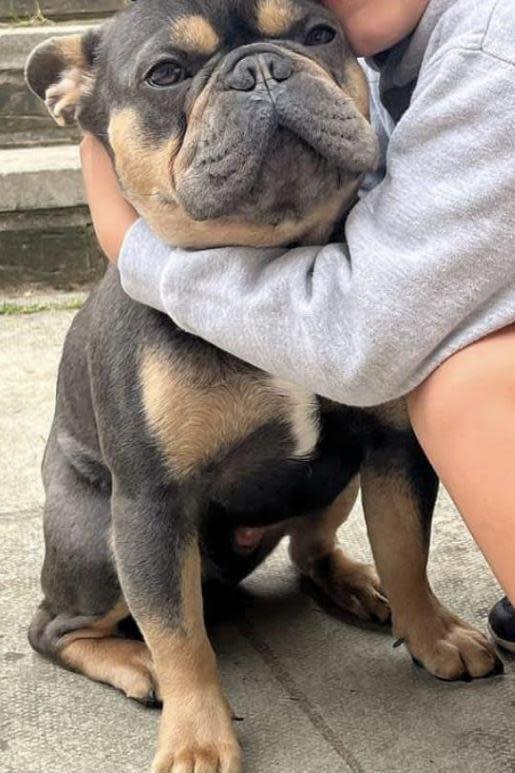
(302,413)
(199,415)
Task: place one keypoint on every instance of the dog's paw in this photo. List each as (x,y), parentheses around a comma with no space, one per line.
(354,587)
(197,736)
(449,648)
(136,676)
(199,759)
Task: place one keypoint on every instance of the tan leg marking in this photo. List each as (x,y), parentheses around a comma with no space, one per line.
(195,35)
(351,585)
(123,663)
(198,414)
(196,728)
(445,645)
(276,17)
(97,653)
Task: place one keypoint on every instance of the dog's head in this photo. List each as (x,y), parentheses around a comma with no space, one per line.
(229,121)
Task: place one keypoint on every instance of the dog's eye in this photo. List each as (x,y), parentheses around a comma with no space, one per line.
(166,74)
(320,35)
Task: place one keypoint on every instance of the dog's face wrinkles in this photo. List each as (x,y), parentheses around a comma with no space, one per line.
(230,121)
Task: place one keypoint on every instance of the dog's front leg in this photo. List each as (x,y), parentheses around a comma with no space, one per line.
(399,491)
(157,554)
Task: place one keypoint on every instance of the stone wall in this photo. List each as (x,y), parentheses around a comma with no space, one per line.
(16,10)
(45,229)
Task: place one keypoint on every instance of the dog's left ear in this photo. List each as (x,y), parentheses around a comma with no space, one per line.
(61,72)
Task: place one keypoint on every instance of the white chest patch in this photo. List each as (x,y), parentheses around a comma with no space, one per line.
(303,416)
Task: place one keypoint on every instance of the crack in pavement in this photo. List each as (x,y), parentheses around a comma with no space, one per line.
(285,679)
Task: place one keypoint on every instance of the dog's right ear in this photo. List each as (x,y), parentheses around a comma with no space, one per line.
(61,72)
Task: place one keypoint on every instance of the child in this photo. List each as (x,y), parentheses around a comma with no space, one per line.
(420,299)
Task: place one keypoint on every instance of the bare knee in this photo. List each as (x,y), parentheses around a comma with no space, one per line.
(477,380)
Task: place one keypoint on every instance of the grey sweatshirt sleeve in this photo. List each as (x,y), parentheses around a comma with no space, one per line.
(428,268)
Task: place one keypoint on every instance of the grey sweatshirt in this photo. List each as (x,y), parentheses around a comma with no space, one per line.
(429,261)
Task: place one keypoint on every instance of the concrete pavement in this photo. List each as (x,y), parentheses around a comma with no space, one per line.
(315,694)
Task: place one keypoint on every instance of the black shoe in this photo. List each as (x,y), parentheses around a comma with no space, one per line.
(501,622)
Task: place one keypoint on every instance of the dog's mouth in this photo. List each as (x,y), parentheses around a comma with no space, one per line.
(270,131)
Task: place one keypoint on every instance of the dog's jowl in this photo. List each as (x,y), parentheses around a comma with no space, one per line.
(169,462)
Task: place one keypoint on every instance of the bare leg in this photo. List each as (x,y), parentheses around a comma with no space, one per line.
(464,416)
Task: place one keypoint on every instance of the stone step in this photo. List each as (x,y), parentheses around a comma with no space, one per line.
(40,178)
(24,120)
(14,11)
(45,227)
(16,42)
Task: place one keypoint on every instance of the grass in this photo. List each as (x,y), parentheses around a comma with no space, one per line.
(10,309)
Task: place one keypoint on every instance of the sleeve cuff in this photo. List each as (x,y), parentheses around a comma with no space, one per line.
(141,264)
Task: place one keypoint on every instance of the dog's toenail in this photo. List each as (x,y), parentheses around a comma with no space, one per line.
(498,668)
(152,701)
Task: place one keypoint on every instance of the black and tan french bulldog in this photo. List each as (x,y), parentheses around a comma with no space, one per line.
(230,122)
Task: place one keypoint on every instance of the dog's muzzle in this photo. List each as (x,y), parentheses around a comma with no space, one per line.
(257,90)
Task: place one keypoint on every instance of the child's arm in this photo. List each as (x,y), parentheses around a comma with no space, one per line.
(111,213)
(431,264)
(463,414)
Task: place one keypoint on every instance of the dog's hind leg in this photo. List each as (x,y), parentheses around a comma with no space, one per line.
(399,491)
(93,647)
(77,623)
(353,586)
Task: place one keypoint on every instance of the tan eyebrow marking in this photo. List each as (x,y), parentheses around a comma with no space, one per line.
(195,34)
(275,17)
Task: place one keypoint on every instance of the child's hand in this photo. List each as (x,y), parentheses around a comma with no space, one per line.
(111,213)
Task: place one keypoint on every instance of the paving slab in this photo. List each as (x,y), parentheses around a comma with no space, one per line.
(315,693)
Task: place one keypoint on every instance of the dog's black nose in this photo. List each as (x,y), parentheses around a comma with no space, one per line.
(265,67)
